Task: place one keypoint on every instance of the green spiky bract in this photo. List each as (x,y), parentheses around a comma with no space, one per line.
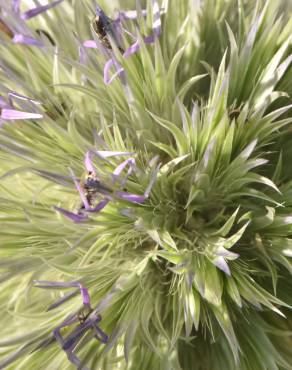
(198,277)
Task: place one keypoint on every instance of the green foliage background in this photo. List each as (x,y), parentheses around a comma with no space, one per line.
(211,100)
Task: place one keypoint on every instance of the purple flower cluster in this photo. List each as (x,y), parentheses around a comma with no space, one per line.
(112,28)
(87,319)
(92,186)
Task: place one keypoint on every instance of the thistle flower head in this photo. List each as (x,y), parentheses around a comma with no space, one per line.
(145,164)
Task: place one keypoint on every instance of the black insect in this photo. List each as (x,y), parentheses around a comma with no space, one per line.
(92,186)
(103,26)
(100,25)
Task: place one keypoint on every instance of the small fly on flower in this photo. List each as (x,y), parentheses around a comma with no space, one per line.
(103,26)
(84,313)
(91,186)
(87,320)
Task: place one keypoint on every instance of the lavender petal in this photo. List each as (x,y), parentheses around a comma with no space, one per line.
(222,252)
(106,77)
(38,10)
(149,39)
(21,39)
(222,265)
(91,44)
(130,14)
(134,198)
(85,295)
(88,162)
(120,167)
(99,206)
(132,49)
(101,336)
(156,19)
(80,191)
(72,216)
(11,114)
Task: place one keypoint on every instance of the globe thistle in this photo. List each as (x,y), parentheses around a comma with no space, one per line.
(146,185)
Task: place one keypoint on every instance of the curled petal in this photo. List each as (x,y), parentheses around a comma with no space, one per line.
(222,252)
(101,336)
(131,162)
(132,49)
(21,39)
(119,169)
(11,114)
(222,265)
(88,162)
(134,198)
(38,10)
(106,72)
(73,216)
